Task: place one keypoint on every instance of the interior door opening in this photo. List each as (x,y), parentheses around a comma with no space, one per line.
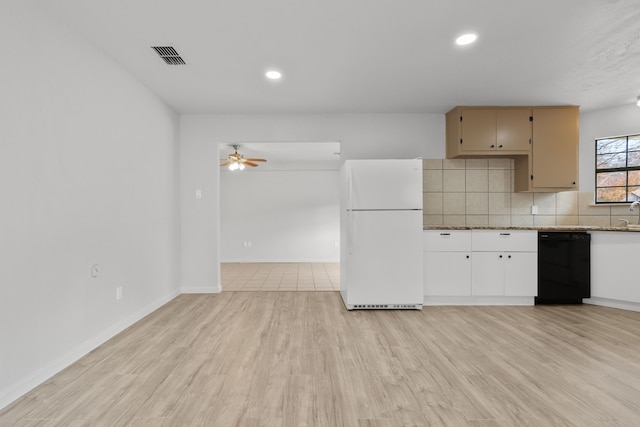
(279,222)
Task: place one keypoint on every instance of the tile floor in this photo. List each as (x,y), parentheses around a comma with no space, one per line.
(305,276)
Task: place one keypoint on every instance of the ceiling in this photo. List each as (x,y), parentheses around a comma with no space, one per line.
(369,56)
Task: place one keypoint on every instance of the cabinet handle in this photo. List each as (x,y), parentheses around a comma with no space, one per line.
(509,256)
(499,146)
(574,183)
(467,256)
(493,146)
(505,234)
(445,234)
(500,256)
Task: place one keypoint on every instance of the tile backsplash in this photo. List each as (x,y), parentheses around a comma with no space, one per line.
(480,192)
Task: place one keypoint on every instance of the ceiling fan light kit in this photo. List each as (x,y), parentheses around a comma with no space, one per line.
(236,161)
(235,166)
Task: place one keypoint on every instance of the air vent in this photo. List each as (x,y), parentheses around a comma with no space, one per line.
(169,55)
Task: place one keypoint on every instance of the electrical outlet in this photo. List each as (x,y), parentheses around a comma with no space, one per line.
(118,293)
(534,210)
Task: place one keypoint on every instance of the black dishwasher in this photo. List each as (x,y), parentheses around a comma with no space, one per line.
(564,267)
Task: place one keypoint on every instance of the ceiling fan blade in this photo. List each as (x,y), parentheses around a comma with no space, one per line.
(253,165)
(225,163)
(255,160)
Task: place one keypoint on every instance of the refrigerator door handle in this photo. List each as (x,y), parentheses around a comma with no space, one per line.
(350,236)
(349,211)
(349,188)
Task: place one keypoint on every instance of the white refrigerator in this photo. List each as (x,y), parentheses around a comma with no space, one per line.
(381,234)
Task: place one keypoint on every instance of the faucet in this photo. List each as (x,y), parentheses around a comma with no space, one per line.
(633,205)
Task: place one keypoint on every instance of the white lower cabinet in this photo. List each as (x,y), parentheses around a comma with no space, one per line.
(488,274)
(614,278)
(521,274)
(480,266)
(447,263)
(505,273)
(447,273)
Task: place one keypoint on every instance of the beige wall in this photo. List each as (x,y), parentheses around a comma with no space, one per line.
(480,192)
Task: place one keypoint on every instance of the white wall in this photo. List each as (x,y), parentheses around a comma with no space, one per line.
(88,174)
(287,216)
(364,136)
(624,120)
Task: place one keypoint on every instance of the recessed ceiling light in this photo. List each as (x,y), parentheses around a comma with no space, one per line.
(466,39)
(273,74)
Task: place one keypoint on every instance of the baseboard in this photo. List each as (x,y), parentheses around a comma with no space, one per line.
(201,289)
(476,300)
(15,391)
(613,303)
(266,261)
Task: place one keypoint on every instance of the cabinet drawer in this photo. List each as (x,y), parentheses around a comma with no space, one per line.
(504,240)
(447,240)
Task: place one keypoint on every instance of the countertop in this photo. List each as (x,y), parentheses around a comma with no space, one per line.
(538,228)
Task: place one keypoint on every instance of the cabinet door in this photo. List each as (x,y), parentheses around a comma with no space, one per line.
(612,254)
(521,274)
(453,135)
(487,273)
(447,274)
(554,161)
(513,129)
(478,130)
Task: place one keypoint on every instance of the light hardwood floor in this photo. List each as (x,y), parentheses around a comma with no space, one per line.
(301,359)
(280,276)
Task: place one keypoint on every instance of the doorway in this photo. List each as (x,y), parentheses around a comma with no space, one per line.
(279,221)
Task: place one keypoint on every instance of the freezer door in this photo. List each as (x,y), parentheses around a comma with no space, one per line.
(384,184)
(383,259)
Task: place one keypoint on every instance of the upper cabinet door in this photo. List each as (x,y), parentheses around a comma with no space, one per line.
(513,129)
(478,130)
(554,160)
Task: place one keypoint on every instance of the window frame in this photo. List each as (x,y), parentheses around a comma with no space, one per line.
(626,169)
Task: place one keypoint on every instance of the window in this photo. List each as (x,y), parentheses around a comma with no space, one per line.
(618,169)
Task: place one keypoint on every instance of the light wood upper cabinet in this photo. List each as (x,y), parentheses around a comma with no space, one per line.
(513,129)
(473,131)
(542,140)
(553,164)
(477,130)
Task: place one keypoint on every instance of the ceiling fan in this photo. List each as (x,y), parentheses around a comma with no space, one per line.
(237,161)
